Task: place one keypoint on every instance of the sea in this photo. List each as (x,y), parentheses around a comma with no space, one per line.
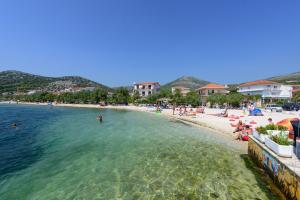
(56,153)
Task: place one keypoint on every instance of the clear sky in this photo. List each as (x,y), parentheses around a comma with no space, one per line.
(117,42)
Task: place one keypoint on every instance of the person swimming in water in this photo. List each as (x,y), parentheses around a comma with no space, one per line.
(14,125)
(100,118)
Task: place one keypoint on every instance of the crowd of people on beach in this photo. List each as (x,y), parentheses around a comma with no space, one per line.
(187,111)
(242,130)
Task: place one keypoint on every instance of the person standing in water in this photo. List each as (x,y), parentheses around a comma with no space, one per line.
(174,109)
(100,118)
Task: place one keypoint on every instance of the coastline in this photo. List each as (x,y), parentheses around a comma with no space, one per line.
(199,122)
(219,125)
(224,130)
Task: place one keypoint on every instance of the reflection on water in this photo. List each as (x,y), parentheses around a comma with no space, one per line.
(70,155)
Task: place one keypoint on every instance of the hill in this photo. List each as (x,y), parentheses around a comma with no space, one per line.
(15,81)
(186,81)
(293,78)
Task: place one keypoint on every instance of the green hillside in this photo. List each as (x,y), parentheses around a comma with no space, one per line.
(186,81)
(16,81)
(293,78)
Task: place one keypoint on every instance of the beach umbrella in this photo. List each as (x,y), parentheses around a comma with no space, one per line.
(287,123)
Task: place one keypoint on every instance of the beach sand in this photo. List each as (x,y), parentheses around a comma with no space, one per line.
(221,124)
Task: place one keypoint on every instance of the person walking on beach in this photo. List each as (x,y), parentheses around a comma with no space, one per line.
(244,108)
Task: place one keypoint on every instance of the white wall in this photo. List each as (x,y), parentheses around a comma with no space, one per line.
(154,89)
(268,91)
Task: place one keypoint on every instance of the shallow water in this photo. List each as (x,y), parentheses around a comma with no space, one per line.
(65,153)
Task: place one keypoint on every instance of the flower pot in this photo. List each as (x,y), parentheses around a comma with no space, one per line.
(260,137)
(277,132)
(281,150)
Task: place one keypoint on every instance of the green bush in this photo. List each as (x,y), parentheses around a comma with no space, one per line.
(275,127)
(282,128)
(281,140)
(271,127)
(261,130)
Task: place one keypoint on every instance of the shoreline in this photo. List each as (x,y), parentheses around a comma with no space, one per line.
(218,125)
(227,135)
(165,112)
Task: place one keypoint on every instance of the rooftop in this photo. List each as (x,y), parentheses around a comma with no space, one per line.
(147,83)
(213,86)
(258,82)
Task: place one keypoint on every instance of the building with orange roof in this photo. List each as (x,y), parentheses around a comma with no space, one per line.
(269,90)
(146,88)
(211,88)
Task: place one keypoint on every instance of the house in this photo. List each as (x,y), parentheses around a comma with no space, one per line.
(211,88)
(31,92)
(183,91)
(296,89)
(268,90)
(146,88)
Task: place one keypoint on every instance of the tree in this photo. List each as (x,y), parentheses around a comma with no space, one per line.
(153,98)
(121,96)
(217,99)
(165,93)
(254,97)
(99,95)
(296,97)
(135,96)
(234,99)
(177,97)
(192,98)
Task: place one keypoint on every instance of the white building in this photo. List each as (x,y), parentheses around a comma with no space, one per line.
(183,91)
(31,92)
(268,90)
(147,88)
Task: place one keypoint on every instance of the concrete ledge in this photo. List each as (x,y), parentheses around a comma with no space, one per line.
(284,171)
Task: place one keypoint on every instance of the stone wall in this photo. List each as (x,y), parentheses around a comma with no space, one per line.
(284,177)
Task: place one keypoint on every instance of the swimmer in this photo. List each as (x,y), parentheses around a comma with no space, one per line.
(14,125)
(100,118)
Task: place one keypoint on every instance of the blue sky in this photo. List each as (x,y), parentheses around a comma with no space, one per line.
(117,42)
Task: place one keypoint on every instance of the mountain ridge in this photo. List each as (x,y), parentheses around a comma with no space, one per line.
(287,78)
(12,81)
(186,81)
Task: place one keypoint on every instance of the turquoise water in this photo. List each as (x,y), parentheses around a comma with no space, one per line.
(65,153)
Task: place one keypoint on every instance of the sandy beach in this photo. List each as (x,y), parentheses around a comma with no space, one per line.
(220,124)
(207,120)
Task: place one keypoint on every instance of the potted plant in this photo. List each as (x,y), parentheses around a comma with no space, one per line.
(272,129)
(280,144)
(260,133)
(275,130)
(283,130)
